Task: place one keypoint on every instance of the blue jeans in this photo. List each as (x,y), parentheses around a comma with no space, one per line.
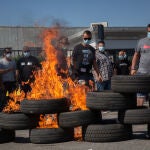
(105,85)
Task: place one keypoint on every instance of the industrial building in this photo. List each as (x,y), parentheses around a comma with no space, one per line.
(116,38)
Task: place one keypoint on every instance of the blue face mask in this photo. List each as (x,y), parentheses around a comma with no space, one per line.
(148,34)
(101,49)
(26,54)
(86,42)
(121,57)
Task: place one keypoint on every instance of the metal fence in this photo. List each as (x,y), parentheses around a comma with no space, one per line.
(35,51)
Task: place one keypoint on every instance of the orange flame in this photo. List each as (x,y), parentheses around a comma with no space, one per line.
(48,121)
(13,104)
(47,84)
(78,133)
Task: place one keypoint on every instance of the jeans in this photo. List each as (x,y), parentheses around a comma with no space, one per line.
(105,85)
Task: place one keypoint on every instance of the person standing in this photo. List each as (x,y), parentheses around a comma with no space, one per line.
(84,59)
(25,67)
(141,57)
(3,98)
(61,54)
(8,65)
(105,67)
(122,66)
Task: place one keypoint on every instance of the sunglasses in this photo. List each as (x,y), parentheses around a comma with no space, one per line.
(26,51)
(87,38)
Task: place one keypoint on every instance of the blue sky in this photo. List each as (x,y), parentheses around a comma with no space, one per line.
(74,13)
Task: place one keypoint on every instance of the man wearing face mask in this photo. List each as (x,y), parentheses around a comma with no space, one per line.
(122,66)
(105,67)
(141,57)
(84,59)
(9,75)
(25,67)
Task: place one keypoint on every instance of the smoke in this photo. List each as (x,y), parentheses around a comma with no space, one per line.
(30,19)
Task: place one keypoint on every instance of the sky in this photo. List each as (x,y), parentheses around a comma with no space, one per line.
(74,13)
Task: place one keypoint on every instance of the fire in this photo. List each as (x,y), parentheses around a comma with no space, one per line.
(15,98)
(77,95)
(78,133)
(47,83)
(48,121)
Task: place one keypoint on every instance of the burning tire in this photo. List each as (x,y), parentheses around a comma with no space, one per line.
(78,118)
(135,116)
(109,100)
(130,84)
(107,132)
(6,135)
(50,135)
(44,106)
(16,121)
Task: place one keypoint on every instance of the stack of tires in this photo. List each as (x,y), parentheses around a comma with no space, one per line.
(108,130)
(78,118)
(50,106)
(122,99)
(133,84)
(9,122)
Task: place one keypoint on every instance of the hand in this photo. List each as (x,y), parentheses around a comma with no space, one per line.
(100,78)
(133,72)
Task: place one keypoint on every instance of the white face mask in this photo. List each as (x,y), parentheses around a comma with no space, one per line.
(26,54)
(101,48)
(8,55)
(148,34)
(86,42)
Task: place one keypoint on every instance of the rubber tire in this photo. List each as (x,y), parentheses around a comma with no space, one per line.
(17,121)
(6,135)
(109,100)
(78,118)
(50,135)
(50,106)
(135,116)
(130,84)
(107,133)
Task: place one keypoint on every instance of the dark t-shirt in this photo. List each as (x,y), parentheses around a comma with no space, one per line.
(61,57)
(83,58)
(122,67)
(26,66)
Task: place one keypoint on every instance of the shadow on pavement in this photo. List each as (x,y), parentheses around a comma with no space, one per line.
(21,140)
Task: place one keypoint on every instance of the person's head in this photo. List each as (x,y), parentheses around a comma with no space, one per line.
(101,46)
(87,36)
(26,51)
(63,42)
(122,55)
(148,30)
(7,53)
